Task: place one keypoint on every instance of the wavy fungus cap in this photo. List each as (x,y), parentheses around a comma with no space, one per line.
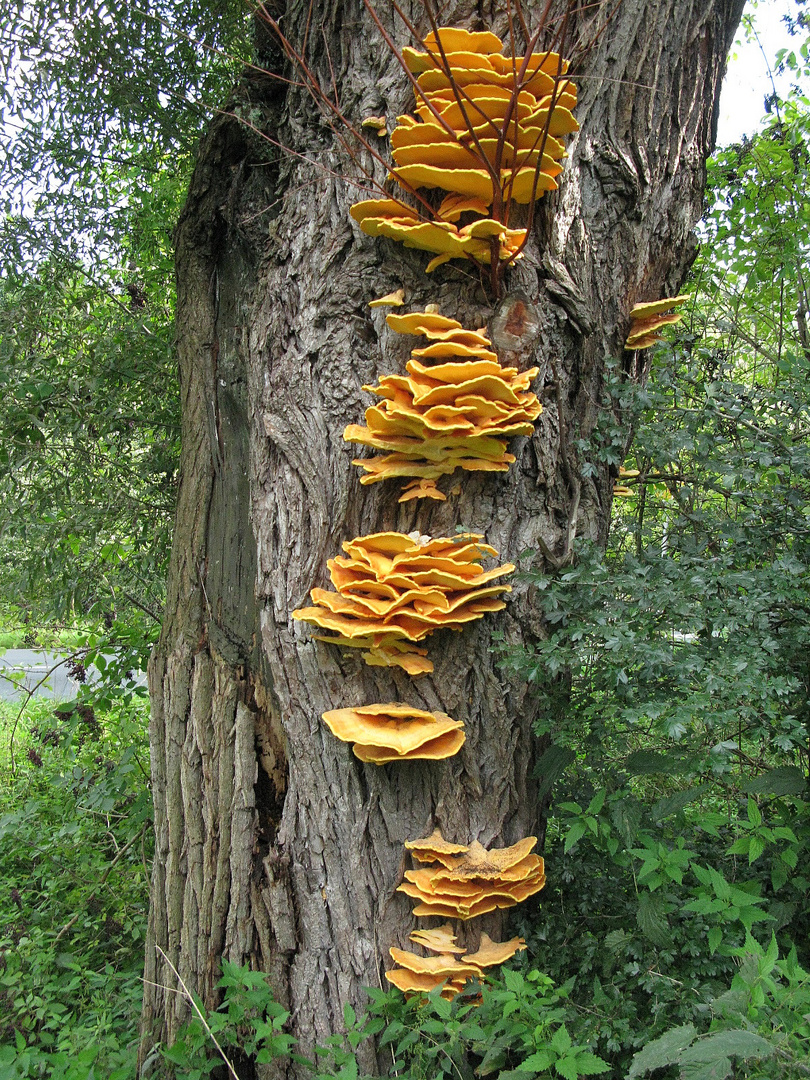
(392,590)
(450,967)
(396,732)
(647,320)
(488,131)
(454,413)
(474,881)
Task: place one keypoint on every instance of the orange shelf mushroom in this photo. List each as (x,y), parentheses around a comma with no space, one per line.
(621,489)
(647,320)
(451,966)
(396,732)
(455,413)
(488,131)
(392,590)
(473,881)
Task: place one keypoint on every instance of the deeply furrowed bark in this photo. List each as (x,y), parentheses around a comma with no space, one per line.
(275,846)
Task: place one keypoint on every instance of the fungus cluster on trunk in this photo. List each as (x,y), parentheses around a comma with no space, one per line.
(453,966)
(395,731)
(394,589)
(488,131)
(454,409)
(647,321)
(470,880)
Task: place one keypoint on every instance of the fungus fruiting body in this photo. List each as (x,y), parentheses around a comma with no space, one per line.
(396,732)
(472,881)
(452,967)
(455,411)
(393,590)
(487,130)
(647,320)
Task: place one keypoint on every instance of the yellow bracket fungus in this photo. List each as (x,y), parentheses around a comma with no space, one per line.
(646,320)
(396,732)
(393,590)
(457,413)
(452,966)
(488,130)
(471,881)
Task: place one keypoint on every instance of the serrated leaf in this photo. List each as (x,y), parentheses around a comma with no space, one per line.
(715,937)
(552,765)
(616,940)
(754,813)
(643,762)
(755,849)
(574,834)
(784,780)
(652,921)
(567,1068)
(561,1040)
(589,1064)
(597,802)
(537,1062)
(727,1044)
(673,804)
(662,1051)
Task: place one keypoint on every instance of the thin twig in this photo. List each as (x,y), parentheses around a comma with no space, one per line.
(199,1013)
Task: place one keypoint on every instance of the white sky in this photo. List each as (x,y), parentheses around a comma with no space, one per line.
(747,81)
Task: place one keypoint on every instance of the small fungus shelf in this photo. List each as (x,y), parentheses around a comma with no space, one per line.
(392,590)
(396,732)
(647,320)
(471,881)
(451,967)
(455,409)
(488,130)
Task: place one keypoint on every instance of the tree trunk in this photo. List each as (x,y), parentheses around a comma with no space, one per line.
(275,845)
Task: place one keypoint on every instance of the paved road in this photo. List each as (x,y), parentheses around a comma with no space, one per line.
(34,664)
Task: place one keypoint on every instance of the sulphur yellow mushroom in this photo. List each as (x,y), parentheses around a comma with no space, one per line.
(487,129)
(455,413)
(647,320)
(392,590)
(382,733)
(474,881)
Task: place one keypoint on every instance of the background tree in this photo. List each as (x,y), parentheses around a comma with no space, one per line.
(256,807)
(101,111)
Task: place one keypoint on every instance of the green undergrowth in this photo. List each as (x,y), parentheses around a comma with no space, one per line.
(669,935)
(518,1026)
(75,844)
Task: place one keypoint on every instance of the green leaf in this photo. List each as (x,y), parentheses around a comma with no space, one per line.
(755,849)
(597,802)
(709,1056)
(589,1064)
(715,936)
(651,919)
(566,1067)
(552,765)
(644,762)
(537,1062)
(673,804)
(784,780)
(663,1051)
(561,1040)
(574,834)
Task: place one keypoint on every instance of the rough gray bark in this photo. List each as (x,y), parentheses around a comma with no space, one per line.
(275,846)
